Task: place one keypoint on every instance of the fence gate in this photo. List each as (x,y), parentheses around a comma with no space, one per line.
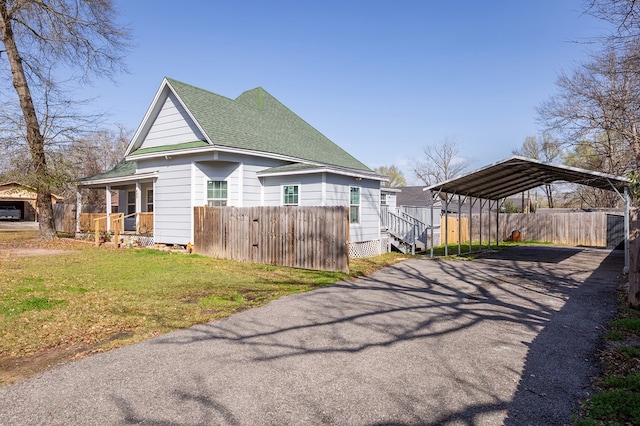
(300,237)
(615,231)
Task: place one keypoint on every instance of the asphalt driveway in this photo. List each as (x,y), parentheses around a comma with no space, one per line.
(506,339)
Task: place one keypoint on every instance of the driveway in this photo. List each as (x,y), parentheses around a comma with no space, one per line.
(509,338)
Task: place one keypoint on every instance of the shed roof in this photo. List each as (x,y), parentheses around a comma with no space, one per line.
(517,174)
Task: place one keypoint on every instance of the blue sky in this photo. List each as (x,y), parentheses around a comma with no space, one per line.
(382,79)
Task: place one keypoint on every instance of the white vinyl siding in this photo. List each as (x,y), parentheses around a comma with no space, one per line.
(172,126)
(175,194)
(309,189)
(338,194)
(173,213)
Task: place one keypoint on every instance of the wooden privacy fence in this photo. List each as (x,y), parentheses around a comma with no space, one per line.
(300,237)
(571,228)
(64,216)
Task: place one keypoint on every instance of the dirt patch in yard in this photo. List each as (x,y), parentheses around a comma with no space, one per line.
(22,252)
(17,369)
(24,244)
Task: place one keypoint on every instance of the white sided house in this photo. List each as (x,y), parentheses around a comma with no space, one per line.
(197,148)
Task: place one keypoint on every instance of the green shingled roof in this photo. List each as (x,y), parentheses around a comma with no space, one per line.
(259,122)
(122,169)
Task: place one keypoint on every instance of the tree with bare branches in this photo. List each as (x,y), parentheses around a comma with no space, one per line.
(547,149)
(43,39)
(440,163)
(599,104)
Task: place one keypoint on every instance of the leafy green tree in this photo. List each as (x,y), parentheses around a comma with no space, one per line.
(394,174)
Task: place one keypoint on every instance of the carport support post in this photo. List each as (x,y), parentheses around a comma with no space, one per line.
(433,201)
(446,225)
(471,203)
(480,222)
(489,227)
(459,226)
(497,224)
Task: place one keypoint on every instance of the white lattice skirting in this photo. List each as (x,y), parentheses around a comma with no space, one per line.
(369,248)
(127,240)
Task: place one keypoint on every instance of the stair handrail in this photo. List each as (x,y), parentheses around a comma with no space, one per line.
(408,230)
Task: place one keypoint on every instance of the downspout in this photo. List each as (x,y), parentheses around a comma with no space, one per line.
(627,231)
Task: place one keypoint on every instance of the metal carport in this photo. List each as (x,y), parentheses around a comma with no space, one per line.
(517,174)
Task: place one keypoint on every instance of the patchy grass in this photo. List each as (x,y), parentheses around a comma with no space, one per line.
(85,299)
(618,398)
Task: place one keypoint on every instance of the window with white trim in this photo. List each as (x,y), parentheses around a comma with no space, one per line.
(216,193)
(354,204)
(149,200)
(290,194)
(383,199)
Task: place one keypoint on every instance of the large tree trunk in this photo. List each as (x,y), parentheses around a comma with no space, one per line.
(35,138)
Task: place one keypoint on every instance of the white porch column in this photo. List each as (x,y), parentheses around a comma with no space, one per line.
(138,204)
(78,208)
(107,198)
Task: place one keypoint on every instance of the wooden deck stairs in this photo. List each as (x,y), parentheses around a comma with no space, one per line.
(404,231)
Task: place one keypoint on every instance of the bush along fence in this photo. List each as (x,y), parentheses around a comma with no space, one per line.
(300,237)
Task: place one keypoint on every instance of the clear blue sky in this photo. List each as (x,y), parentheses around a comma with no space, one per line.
(382,79)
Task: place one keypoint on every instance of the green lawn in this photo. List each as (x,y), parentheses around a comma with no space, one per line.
(103,298)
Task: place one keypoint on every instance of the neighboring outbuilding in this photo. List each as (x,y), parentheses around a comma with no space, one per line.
(23,198)
(197,148)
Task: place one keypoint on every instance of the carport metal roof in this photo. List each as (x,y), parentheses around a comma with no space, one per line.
(517,174)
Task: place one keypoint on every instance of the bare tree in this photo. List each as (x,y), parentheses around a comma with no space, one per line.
(621,121)
(441,163)
(40,38)
(546,149)
(598,103)
(96,152)
(624,15)
(395,175)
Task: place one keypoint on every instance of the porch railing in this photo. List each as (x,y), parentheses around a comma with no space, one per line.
(97,223)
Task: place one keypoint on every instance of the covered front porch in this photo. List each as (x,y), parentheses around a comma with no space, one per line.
(127,214)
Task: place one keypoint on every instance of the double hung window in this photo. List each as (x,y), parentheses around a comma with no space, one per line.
(217,193)
(354,205)
(149,200)
(290,194)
